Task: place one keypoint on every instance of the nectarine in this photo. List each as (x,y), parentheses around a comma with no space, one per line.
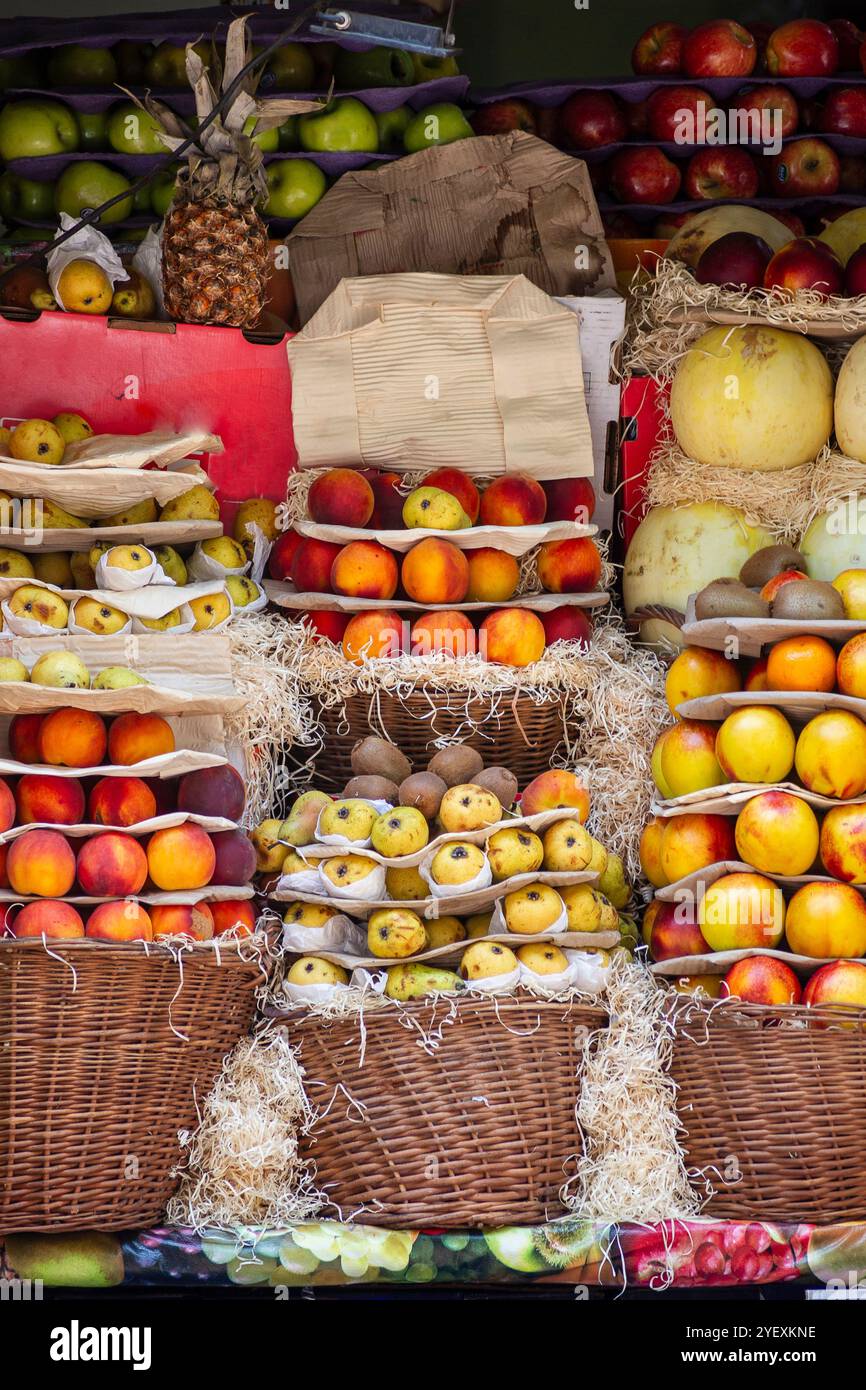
(831,755)
(515,499)
(843,843)
(569,499)
(24,737)
(851,667)
(212,791)
(553,790)
(840,982)
(694,841)
(460,485)
(443,630)
(7,806)
(119,921)
(511,637)
(51,919)
(181,919)
(341,497)
(378,633)
(41,864)
(121,801)
(755,744)
(364,569)
(493,575)
(133,738)
(311,565)
(43,799)
(650,851)
(282,554)
(236,917)
(569,567)
(762,980)
(675,932)
(567,624)
(72,738)
(777,833)
(687,759)
(435,571)
(111,865)
(826,919)
(235,858)
(180,858)
(741,910)
(697,672)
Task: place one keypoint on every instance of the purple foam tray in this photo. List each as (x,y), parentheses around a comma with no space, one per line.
(803,207)
(633,89)
(50,166)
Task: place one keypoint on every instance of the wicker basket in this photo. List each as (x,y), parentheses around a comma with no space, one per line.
(513,732)
(94,1084)
(478,1131)
(775,1114)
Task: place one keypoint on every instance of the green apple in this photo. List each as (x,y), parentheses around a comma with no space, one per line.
(162,191)
(74,65)
(27,199)
(22,71)
(439,124)
(428,68)
(133,131)
(291,68)
(377,67)
(86,185)
(166,66)
(131,60)
(141,200)
(94,130)
(267,140)
(287,134)
(294,186)
(391,126)
(345,124)
(37,127)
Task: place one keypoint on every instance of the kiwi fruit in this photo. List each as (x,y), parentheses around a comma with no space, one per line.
(376,757)
(425,791)
(729,598)
(501,782)
(765,564)
(457,764)
(372,788)
(808,598)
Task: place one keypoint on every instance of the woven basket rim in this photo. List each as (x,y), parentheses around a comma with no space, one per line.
(733,1012)
(495,1004)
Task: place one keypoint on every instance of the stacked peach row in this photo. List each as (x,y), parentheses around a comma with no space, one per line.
(436,571)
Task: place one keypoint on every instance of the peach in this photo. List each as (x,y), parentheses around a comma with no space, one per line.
(570,499)
(341,497)
(364,569)
(435,571)
(688,761)
(840,982)
(4,877)
(460,485)
(698,672)
(831,755)
(212,791)
(826,919)
(111,865)
(695,841)
(741,910)
(650,850)
(511,637)
(239,917)
(133,738)
(755,744)
(7,806)
(515,499)
(493,575)
(772,586)
(181,858)
(72,738)
(182,919)
(371,635)
(756,676)
(569,567)
(24,737)
(777,833)
(121,801)
(762,980)
(282,554)
(50,919)
(556,789)
(567,624)
(311,566)
(48,800)
(387,500)
(444,630)
(843,843)
(676,933)
(851,667)
(120,921)
(331,626)
(235,857)
(801,663)
(651,912)
(41,864)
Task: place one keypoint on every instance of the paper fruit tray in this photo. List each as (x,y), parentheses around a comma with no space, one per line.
(729,798)
(150,601)
(83,537)
(161,448)
(216,893)
(753,634)
(692,887)
(515,540)
(797,705)
(284,595)
(573,941)
(83,831)
(95,492)
(455,904)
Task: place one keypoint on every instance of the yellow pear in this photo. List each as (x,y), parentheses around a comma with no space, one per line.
(72,426)
(532,909)
(406,885)
(198,504)
(56,518)
(98,617)
(542,960)
(567,847)
(41,605)
(172,564)
(37,441)
(583,906)
(269,852)
(312,970)
(129,557)
(351,818)
(345,870)
(395,932)
(12,670)
(415,980)
(598,860)
(307,915)
(243,591)
(609,915)
(96,553)
(294,863)
(139,514)
(82,571)
(84,288)
(225,551)
(613,882)
(134,298)
(168,620)
(469,807)
(210,611)
(15,565)
(117,678)
(433,509)
(486,959)
(54,568)
(458,862)
(299,827)
(62,669)
(444,931)
(514,851)
(258,511)
(402,830)
(478,924)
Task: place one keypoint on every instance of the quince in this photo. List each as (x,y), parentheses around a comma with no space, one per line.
(486,959)
(62,669)
(514,851)
(312,970)
(458,862)
(531,910)
(434,510)
(402,830)
(98,617)
(395,932)
(37,441)
(41,605)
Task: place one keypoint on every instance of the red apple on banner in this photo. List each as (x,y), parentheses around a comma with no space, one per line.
(845,111)
(591,119)
(719,48)
(806,168)
(643,176)
(724,171)
(671,111)
(659,49)
(802,48)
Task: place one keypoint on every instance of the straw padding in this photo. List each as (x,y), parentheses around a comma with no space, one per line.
(773,1102)
(447,1115)
(104,1054)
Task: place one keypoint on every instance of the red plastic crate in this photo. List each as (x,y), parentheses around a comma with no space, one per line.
(640,423)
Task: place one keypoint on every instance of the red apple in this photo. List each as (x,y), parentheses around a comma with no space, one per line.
(855,272)
(591,119)
(736,261)
(546,122)
(643,176)
(719,48)
(845,111)
(795,224)
(674,113)
(771,97)
(805,264)
(811,114)
(725,171)
(637,119)
(852,175)
(659,49)
(803,48)
(806,168)
(497,117)
(849,39)
(567,624)
(282,554)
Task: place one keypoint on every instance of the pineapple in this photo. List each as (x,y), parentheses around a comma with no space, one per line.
(215,253)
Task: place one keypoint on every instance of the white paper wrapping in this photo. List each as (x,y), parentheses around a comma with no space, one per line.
(200,566)
(482,879)
(87,244)
(498,925)
(125,581)
(369,889)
